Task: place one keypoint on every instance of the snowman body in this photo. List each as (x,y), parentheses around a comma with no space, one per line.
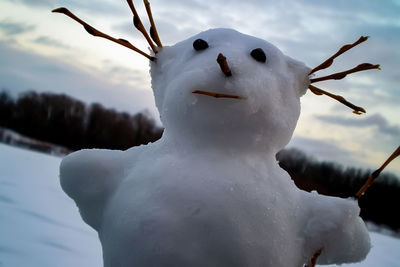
(210,192)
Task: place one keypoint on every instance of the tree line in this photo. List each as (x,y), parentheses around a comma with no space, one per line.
(379,202)
(63,120)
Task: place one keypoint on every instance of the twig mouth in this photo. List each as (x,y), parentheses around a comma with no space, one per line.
(217,95)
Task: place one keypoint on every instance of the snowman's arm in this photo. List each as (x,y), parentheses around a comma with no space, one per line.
(89,177)
(336,228)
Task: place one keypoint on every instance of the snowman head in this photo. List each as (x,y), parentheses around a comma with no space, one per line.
(226,86)
(222,86)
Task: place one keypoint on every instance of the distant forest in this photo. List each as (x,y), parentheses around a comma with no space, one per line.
(379,204)
(65,121)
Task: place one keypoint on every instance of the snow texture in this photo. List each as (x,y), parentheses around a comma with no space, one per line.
(40,226)
(210,192)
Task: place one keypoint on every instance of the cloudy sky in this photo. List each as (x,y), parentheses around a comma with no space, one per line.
(44,51)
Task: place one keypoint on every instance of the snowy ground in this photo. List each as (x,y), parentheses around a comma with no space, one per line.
(40,225)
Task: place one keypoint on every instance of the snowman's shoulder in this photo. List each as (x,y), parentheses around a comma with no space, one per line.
(96,171)
(335,226)
(88,168)
(90,177)
(326,213)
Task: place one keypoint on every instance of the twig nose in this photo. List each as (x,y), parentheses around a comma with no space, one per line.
(223,64)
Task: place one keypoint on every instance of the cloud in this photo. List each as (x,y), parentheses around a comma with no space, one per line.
(105,7)
(322,150)
(35,3)
(375,120)
(360,9)
(170,33)
(119,73)
(15,28)
(21,71)
(45,40)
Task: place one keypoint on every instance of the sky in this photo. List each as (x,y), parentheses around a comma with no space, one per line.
(49,52)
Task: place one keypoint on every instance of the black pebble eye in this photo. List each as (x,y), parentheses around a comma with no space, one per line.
(200,44)
(259,55)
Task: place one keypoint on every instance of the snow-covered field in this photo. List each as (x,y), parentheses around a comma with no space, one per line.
(40,225)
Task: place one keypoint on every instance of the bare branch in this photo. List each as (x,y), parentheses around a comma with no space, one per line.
(341,75)
(356,109)
(93,31)
(313,261)
(216,95)
(139,25)
(327,63)
(153,29)
(223,64)
(376,173)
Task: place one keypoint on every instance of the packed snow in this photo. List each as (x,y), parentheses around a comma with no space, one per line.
(39,224)
(210,192)
(41,227)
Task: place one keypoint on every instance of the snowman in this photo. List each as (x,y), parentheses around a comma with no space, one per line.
(210,192)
